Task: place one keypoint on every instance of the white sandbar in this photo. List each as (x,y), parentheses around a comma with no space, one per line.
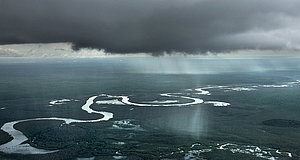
(217,104)
(125,99)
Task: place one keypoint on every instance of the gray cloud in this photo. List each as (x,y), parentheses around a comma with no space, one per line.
(154,26)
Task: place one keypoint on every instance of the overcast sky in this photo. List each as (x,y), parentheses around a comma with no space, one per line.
(154,26)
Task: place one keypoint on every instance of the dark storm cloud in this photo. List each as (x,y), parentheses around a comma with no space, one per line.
(154,26)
